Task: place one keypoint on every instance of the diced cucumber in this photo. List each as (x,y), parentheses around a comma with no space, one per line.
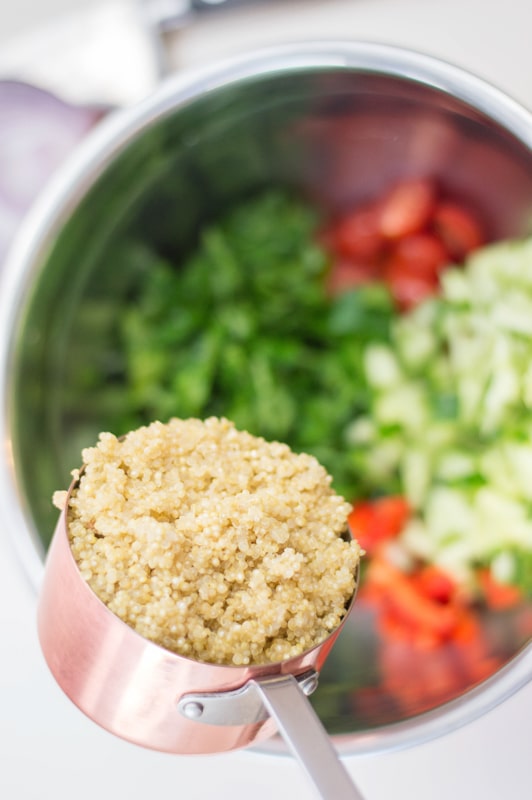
(381,367)
(415,343)
(448,513)
(415,474)
(456,465)
(503,566)
(362,431)
(405,405)
(382,459)
(417,541)
(452,415)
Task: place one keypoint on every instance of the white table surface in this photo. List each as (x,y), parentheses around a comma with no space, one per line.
(47,747)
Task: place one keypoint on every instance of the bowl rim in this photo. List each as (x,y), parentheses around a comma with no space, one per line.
(89,161)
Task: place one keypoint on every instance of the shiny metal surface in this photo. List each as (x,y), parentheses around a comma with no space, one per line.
(238,706)
(394,113)
(302,730)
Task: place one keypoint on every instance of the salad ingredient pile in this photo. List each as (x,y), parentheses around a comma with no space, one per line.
(391,343)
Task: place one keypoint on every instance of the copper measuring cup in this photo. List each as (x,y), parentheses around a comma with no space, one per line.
(153,697)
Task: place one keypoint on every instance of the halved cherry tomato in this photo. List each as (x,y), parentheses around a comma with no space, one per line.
(420,253)
(403,239)
(372,523)
(407,208)
(458,229)
(410,289)
(413,268)
(357,234)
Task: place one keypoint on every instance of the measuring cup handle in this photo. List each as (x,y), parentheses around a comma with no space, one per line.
(308,740)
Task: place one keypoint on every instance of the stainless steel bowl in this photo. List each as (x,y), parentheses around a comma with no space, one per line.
(337,121)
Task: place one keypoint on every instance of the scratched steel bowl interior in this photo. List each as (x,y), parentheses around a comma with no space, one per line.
(332,121)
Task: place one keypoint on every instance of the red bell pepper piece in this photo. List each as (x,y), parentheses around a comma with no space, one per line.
(374,522)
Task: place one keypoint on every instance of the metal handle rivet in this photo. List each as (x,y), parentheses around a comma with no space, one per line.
(193,710)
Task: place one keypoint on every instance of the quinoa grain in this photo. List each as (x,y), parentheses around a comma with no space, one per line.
(212,542)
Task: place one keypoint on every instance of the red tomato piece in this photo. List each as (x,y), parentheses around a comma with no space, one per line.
(419,254)
(408,605)
(458,229)
(357,235)
(363,527)
(435,584)
(372,523)
(468,631)
(498,596)
(413,268)
(407,208)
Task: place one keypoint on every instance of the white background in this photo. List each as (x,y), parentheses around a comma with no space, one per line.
(18,16)
(47,748)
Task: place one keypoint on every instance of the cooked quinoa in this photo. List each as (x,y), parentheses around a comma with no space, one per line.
(214,543)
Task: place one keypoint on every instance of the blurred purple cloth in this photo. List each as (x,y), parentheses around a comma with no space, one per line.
(37,133)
